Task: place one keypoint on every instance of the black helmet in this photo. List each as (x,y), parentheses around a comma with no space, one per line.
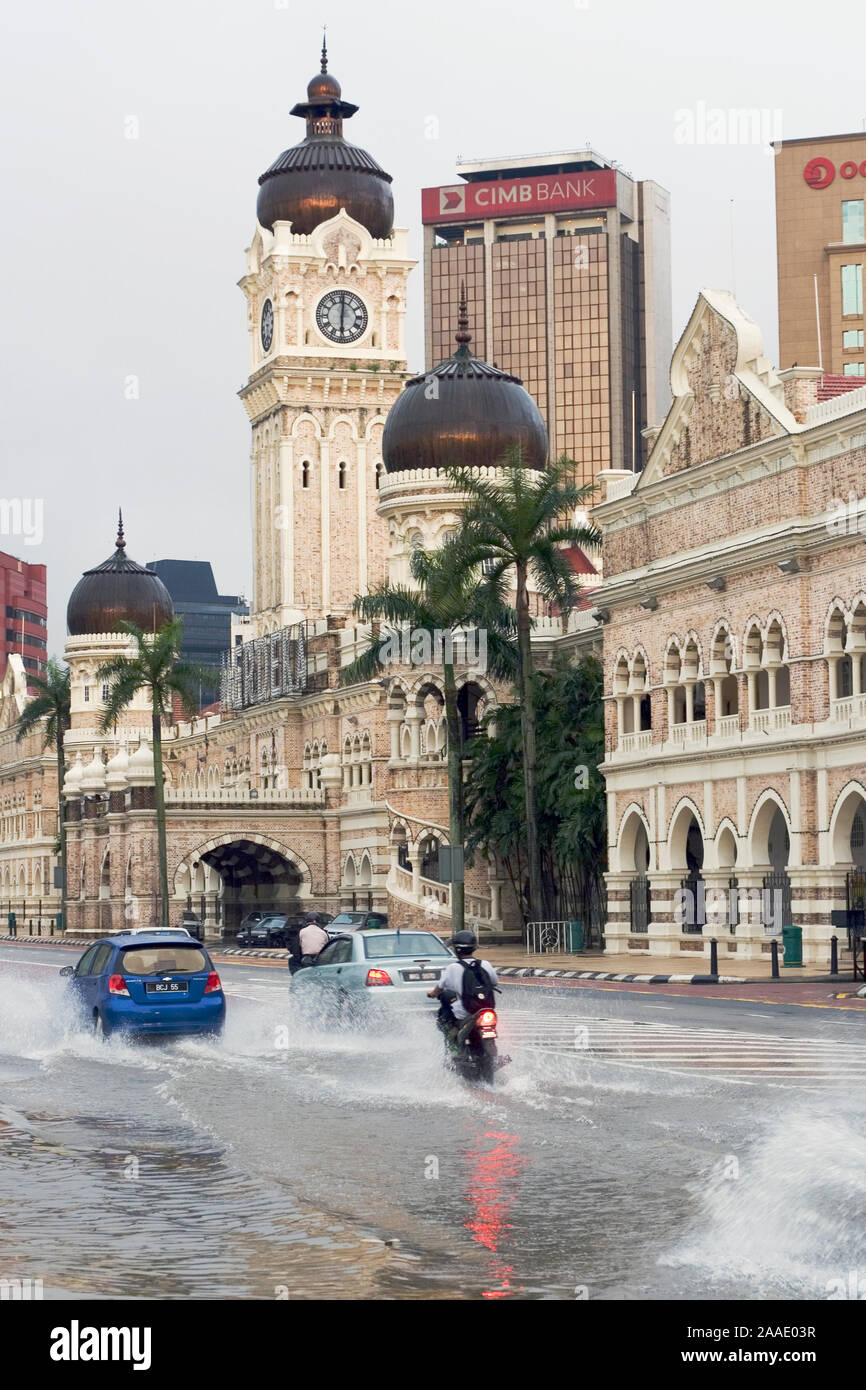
(464,942)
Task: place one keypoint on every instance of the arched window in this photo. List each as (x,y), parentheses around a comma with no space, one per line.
(305,474)
(341,475)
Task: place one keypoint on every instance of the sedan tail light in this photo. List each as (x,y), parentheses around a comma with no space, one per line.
(378,977)
(486,1019)
(213,983)
(117,985)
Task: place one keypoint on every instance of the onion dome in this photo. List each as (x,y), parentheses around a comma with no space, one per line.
(93,776)
(139,771)
(309,183)
(472,416)
(72,780)
(116,770)
(118,590)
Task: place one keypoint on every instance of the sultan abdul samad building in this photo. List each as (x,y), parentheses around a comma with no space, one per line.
(732,617)
(301,790)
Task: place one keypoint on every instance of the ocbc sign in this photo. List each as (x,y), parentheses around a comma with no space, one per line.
(821,171)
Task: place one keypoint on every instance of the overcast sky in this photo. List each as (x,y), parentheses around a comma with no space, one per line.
(120,257)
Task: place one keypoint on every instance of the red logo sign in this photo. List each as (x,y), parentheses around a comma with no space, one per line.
(507,197)
(820,171)
(452,199)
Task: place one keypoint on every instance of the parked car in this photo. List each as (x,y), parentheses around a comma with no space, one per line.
(372,967)
(317,918)
(251,918)
(191,922)
(356,921)
(269,932)
(155,982)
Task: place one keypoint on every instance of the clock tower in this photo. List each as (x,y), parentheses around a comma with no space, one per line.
(326,293)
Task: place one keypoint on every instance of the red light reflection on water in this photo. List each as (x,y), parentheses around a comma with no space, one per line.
(491,1190)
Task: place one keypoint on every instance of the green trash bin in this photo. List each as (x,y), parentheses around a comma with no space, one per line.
(575,937)
(792,944)
(12,924)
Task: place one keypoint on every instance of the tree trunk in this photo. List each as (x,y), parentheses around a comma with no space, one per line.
(61,821)
(527,700)
(159,788)
(455,792)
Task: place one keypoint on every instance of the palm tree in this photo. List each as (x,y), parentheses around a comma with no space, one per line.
(51,703)
(515,528)
(156,668)
(436,605)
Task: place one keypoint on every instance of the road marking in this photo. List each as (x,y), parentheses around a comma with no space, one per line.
(39,964)
(685,1050)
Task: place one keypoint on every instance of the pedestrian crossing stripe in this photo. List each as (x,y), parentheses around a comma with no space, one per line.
(723,1054)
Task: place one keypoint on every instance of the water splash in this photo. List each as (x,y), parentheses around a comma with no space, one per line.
(789,1216)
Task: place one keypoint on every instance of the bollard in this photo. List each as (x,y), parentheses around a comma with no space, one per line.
(834,955)
(774,957)
(714,957)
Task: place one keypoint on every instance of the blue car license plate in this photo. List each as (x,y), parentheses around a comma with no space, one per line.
(411,975)
(168,987)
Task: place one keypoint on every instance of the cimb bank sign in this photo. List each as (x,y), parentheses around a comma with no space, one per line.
(500,197)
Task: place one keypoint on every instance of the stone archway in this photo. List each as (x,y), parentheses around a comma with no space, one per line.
(247,872)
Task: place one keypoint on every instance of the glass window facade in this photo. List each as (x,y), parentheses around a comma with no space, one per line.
(520,314)
(852,289)
(450,266)
(853,228)
(582,350)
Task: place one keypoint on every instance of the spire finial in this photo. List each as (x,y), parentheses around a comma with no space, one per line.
(463,336)
(121,543)
(324,48)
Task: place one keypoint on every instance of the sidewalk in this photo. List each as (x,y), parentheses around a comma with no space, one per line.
(685,966)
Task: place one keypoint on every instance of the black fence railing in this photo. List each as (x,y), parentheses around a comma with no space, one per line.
(694,904)
(640,910)
(776,902)
(29,917)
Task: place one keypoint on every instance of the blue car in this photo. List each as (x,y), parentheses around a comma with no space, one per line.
(148,981)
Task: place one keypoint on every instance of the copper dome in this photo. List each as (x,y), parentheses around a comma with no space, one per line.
(473,417)
(118,590)
(309,183)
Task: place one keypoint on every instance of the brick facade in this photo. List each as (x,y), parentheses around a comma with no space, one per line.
(735,653)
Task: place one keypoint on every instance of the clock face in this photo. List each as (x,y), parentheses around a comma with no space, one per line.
(342,316)
(267,325)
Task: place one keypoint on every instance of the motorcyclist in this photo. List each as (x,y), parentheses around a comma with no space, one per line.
(312,940)
(449,991)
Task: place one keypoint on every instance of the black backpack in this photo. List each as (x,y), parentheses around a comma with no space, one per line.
(477,991)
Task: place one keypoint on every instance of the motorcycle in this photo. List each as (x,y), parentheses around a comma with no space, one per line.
(472,1048)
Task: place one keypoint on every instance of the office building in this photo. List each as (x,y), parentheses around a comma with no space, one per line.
(821,241)
(25,613)
(566,263)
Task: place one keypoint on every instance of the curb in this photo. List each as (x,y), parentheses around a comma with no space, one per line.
(518,972)
(506,972)
(236,951)
(59,939)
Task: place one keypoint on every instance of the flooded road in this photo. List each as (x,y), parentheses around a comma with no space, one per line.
(636,1148)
